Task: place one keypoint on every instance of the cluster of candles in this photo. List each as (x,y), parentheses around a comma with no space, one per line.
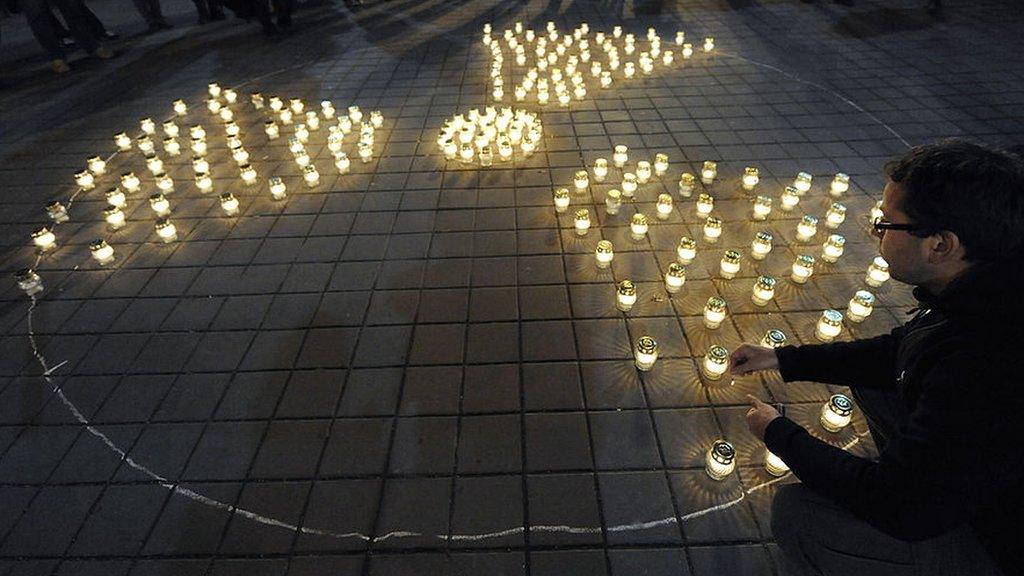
(558,64)
(490,136)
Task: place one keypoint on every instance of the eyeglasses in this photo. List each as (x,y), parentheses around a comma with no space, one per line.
(879,227)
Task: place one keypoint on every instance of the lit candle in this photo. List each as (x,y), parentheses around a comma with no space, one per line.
(714,312)
(629,70)
(355,114)
(836,413)
(680,38)
(248,174)
(213,105)
(645,352)
(158,202)
(166,230)
(675,277)
(803,268)
(486,156)
(285,116)
(561,199)
(342,163)
(600,169)
(878,272)
(761,245)
(200,164)
(312,121)
(154,164)
(664,206)
(302,133)
(620,156)
(806,228)
(730,264)
(130,182)
(712,229)
(164,182)
(721,460)
(613,201)
(829,325)
(29,282)
(686,251)
(123,142)
(705,204)
(229,204)
(687,182)
(762,208)
(580,180)
(44,239)
(833,248)
(643,171)
(764,290)
(240,155)
(101,251)
(840,184)
(230,96)
(625,295)
(327,109)
(148,126)
(297,106)
(198,146)
(277,188)
(57,212)
(802,182)
(709,172)
(638,226)
(876,211)
(774,339)
(582,221)
(197,132)
(835,216)
(660,164)
(96,165)
(687,51)
(311,176)
(774,465)
(751,177)
(172,147)
(604,254)
(466,152)
(226,115)
(114,217)
(272,130)
(276,104)
(709,44)
(214,89)
(790,198)
(860,306)
(85,180)
(204,182)
(629,184)
(180,108)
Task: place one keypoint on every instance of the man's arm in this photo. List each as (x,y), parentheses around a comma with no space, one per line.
(868,363)
(954,458)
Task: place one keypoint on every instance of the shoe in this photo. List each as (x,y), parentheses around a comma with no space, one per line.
(110,36)
(103,53)
(60,66)
(67,43)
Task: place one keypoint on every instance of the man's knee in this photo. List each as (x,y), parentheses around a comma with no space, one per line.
(789,509)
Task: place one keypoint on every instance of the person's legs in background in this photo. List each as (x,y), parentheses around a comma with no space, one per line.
(41,21)
(283,9)
(95,24)
(152,14)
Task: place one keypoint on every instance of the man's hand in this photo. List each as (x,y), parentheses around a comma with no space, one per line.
(750,358)
(759,416)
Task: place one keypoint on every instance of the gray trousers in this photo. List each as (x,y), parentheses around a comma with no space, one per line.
(820,538)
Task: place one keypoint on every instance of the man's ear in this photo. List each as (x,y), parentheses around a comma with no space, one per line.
(945,246)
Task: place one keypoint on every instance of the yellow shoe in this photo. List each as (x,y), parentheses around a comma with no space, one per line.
(104,53)
(60,66)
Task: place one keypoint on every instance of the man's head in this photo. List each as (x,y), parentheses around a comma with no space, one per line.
(964,203)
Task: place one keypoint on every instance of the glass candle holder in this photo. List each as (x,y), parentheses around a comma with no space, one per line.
(643,171)
(789,199)
(720,460)
(276,104)
(802,182)
(310,176)
(44,239)
(204,182)
(604,254)
(709,44)
(774,339)
(761,246)
(166,230)
(730,264)
(278,190)
(687,182)
(164,182)
(327,109)
(114,217)
(179,107)
(96,165)
(712,229)
(29,282)
(860,306)
(154,164)
(197,132)
(561,199)
(148,126)
(629,184)
(638,226)
(123,142)
(645,353)
(213,105)
(613,201)
(803,268)
(200,164)
(878,272)
(664,206)
(829,325)
(751,176)
(600,169)
(620,156)
(297,106)
(762,208)
(833,248)
(581,221)
(248,174)
(226,115)
(240,155)
(581,181)
(876,211)
(302,133)
(172,147)
(764,290)
(625,295)
(229,204)
(835,215)
(705,204)
(158,202)
(836,413)
(715,311)
(342,162)
(198,146)
(709,172)
(675,277)
(214,89)
(57,212)
(686,251)
(660,164)
(85,180)
(101,252)
(257,100)
(840,184)
(716,362)
(806,228)
(774,465)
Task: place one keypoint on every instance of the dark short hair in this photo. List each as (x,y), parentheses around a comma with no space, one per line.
(974,191)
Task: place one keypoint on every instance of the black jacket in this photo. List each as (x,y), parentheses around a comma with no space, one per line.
(960,457)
